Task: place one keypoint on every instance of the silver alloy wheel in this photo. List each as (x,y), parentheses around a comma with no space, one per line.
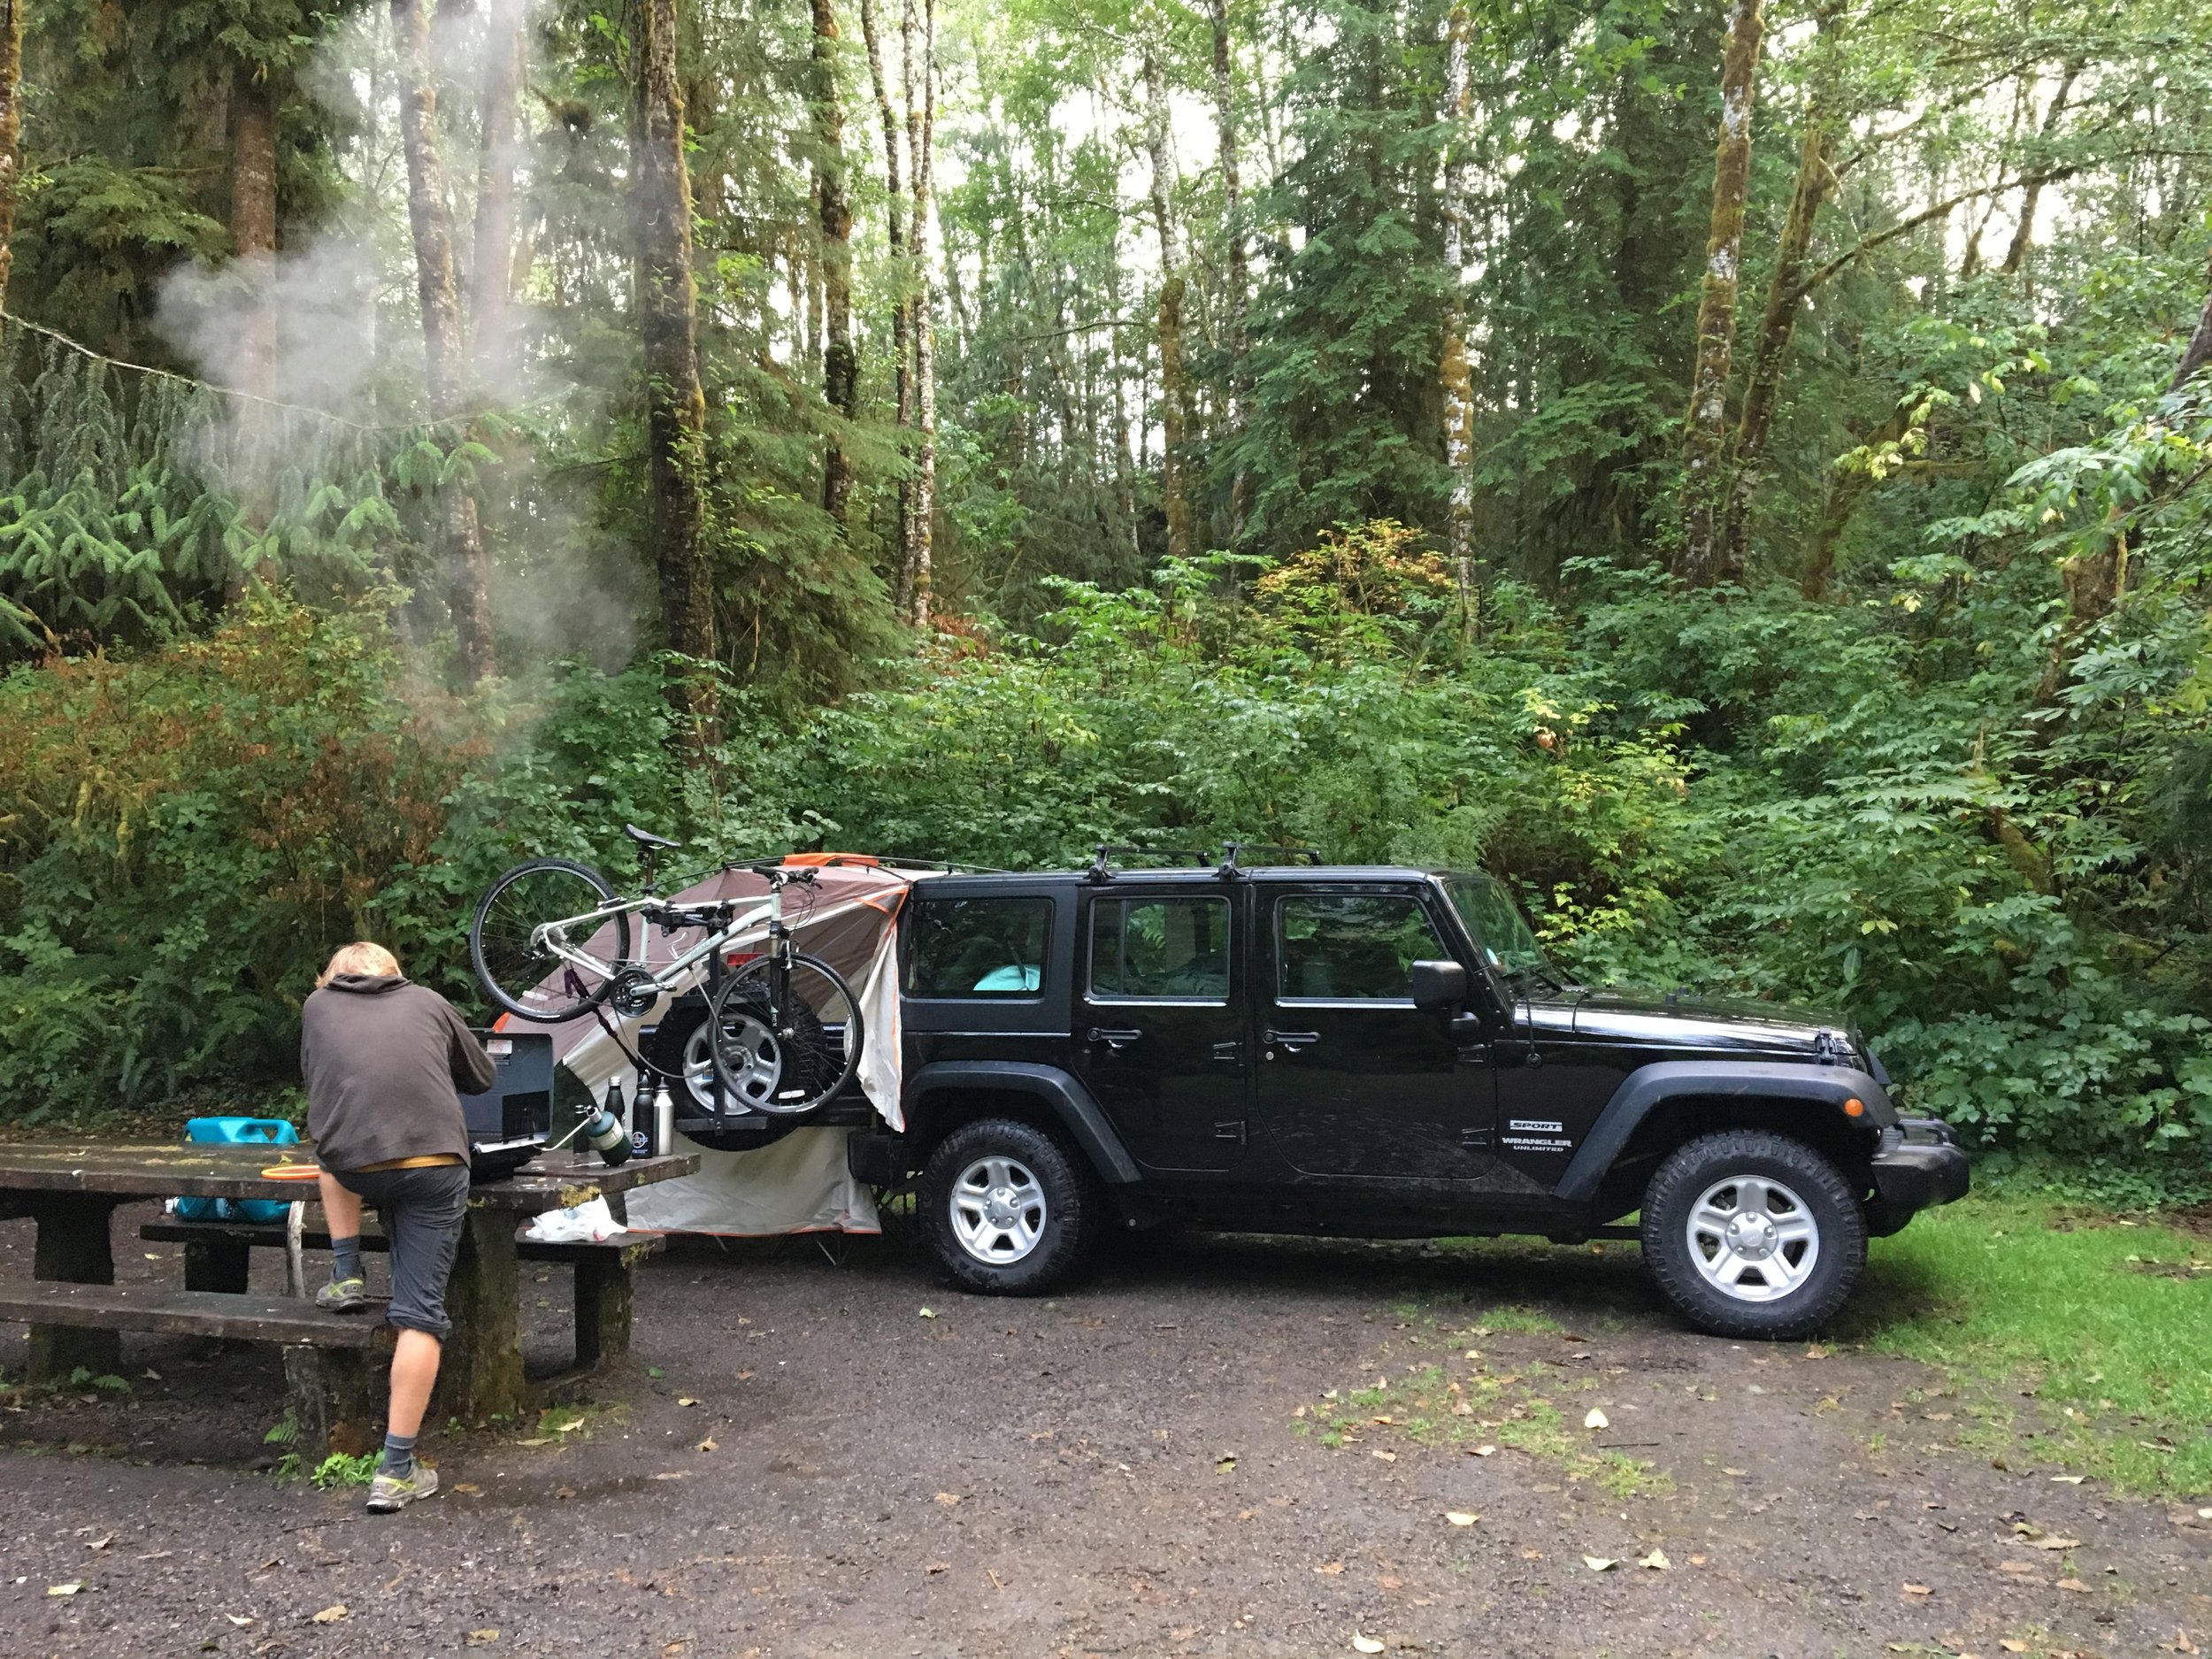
(753,1055)
(998,1210)
(1752,1238)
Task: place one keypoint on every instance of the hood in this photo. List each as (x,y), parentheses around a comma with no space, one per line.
(365,984)
(1634,1017)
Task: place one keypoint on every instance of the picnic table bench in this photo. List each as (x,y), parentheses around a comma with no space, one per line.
(71,1187)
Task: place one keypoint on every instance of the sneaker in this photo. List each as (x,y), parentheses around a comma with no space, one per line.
(389,1494)
(343,1296)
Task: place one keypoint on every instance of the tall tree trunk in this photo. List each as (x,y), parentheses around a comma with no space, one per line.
(1704,442)
(11,129)
(1785,299)
(1174,498)
(1457,376)
(253,214)
(1236,268)
(430,220)
(2198,352)
(668,323)
(491,270)
(918,39)
(901,308)
(2031,192)
(840,369)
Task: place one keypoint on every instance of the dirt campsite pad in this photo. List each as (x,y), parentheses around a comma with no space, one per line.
(1271,1446)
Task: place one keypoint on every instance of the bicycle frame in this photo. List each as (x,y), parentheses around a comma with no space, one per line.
(553,936)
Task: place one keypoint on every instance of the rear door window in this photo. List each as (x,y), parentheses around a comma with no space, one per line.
(977,948)
(1160,948)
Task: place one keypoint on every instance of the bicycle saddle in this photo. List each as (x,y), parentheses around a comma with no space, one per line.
(646,838)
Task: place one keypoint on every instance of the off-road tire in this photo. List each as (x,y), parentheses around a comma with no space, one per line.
(1826,1197)
(1074,1210)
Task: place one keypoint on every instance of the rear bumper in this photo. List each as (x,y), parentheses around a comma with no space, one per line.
(1918,1167)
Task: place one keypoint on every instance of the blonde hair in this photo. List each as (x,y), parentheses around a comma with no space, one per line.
(361,956)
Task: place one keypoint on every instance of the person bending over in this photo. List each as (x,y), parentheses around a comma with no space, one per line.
(383,1060)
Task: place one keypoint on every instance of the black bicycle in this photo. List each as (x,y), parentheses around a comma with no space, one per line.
(781,1031)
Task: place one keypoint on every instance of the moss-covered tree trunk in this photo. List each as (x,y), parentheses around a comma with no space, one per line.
(894,236)
(430,221)
(1704,443)
(1456,373)
(1174,393)
(840,369)
(11,128)
(675,404)
(491,275)
(1236,280)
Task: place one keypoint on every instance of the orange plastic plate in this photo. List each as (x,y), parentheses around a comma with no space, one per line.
(291,1172)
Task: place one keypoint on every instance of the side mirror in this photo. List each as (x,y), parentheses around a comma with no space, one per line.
(1439,987)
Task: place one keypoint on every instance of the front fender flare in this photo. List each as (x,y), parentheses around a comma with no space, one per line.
(1068,1101)
(1647,1086)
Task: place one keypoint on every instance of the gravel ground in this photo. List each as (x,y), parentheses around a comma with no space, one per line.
(811,1467)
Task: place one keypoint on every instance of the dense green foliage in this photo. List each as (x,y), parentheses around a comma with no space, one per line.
(1936,752)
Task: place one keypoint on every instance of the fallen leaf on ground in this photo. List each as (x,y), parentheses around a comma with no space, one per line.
(672,1474)
(686,1400)
(568,1427)
(1656,1561)
(1735,1472)
(71,1588)
(2071,1480)
(949,1498)
(1329,1568)
(745,1376)
(482,1638)
(2074,1585)
(465,1486)
(1917,1589)
(938,1566)
(1481,1451)
(2010,1645)
(331,1614)
(928,1313)
(1461,1517)
(2204,1514)
(2018,1568)
(1389,1458)
(150,1375)
(1225,1465)
(1597,1420)
(707,1444)
(2054,1543)
(240,1619)
(1365,1644)
(542,1440)
(1599,1563)
(655,1370)
(101,1543)
(1697,1561)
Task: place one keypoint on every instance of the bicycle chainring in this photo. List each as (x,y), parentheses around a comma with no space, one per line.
(634,993)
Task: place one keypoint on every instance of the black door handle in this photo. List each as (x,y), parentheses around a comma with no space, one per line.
(1294,1040)
(1115,1040)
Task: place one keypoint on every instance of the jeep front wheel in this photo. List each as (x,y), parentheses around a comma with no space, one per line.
(1009,1212)
(1752,1234)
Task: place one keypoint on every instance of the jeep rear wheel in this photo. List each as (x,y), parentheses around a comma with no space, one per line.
(1009,1210)
(1752,1234)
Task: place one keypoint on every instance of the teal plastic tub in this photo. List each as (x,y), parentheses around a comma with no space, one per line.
(267,1132)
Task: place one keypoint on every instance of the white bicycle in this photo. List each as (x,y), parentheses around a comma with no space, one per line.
(553,941)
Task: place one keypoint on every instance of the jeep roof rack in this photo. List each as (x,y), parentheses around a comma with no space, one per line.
(1234,853)
(1101,869)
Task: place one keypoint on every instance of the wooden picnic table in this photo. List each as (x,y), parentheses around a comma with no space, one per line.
(71,1187)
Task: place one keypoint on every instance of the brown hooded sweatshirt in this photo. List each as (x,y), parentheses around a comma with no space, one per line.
(383,1060)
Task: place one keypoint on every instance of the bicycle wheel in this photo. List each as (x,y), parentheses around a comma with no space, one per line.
(788,1036)
(509,948)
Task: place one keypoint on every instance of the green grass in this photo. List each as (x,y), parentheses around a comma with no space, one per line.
(2106,1322)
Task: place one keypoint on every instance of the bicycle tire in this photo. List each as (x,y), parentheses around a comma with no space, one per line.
(818,1078)
(511,971)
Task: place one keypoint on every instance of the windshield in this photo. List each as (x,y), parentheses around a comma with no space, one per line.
(1508,946)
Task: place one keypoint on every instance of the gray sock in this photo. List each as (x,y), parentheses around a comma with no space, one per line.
(345,1259)
(399,1456)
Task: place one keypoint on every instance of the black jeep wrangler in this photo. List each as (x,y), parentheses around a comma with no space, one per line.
(1382,1053)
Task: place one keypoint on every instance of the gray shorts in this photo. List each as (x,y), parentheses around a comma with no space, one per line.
(422,1211)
